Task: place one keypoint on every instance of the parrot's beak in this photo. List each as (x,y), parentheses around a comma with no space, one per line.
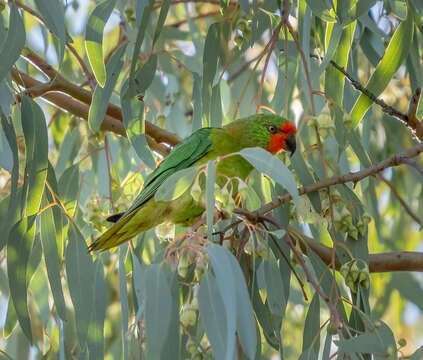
(290,143)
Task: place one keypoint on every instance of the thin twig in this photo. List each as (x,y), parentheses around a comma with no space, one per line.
(401,200)
(272,43)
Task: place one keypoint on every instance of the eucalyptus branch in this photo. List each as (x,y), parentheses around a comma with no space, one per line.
(354,177)
(409,119)
(378,263)
(85,96)
(81,110)
(401,200)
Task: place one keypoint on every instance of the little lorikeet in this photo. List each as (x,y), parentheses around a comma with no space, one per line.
(267,131)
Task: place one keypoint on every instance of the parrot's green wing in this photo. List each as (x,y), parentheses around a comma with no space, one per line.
(183,155)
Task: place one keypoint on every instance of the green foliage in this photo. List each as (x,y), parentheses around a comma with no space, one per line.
(239,284)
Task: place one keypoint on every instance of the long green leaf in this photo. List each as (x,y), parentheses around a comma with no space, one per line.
(52,260)
(96,327)
(312,326)
(270,165)
(133,109)
(36,142)
(123,292)
(276,298)
(80,276)
(11,204)
(158,307)
(334,79)
(211,175)
(164,9)
(103,93)
(222,267)
(394,56)
(15,42)
(18,250)
(210,60)
(213,315)
(94,39)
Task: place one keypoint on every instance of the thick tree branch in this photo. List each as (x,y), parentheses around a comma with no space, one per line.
(384,262)
(85,96)
(66,102)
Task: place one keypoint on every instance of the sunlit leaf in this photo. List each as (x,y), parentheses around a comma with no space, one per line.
(394,56)
(94,38)
(36,142)
(51,258)
(18,250)
(102,95)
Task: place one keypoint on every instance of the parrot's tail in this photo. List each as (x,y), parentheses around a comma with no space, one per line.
(112,237)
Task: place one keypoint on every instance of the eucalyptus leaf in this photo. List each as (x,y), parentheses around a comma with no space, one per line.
(94,39)
(158,307)
(271,166)
(14,43)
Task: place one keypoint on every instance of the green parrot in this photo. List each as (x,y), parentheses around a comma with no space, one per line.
(267,131)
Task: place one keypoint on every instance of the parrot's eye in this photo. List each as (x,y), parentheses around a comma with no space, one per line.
(272,129)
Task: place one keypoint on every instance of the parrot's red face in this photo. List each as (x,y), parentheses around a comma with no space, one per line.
(282,138)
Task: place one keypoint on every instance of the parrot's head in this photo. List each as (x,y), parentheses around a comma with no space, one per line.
(277,132)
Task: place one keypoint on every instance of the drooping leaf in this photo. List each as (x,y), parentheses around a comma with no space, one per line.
(133,109)
(102,93)
(18,250)
(276,298)
(51,258)
(270,165)
(123,292)
(245,322)
(334,79)
(15,42)
(210,61)
(211,174)
(10,209)
(213,315)
(96,327)
(80,272)
(312,326)
(164,9)
(394,56)
(68,188)
(94,39)
(158,307)
(36,143)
